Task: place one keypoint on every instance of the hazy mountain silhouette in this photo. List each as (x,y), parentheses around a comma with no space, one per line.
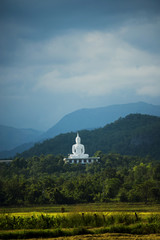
(11,137)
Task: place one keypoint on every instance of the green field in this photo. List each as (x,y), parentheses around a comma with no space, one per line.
(83,219)
(91,207)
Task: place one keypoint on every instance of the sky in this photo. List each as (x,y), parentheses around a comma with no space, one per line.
(57,56)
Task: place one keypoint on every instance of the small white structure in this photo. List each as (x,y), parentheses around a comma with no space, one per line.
(5,161)
(78,154)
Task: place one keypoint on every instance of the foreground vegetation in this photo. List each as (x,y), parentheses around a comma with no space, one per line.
(91,220)
(70,224)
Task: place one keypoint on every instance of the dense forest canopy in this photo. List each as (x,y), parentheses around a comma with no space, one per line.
(47,180)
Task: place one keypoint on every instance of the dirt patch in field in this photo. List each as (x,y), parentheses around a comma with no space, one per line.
(106,236)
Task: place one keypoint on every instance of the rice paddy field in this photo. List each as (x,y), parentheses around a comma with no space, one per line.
(83,221)
(110,236)
(91,207)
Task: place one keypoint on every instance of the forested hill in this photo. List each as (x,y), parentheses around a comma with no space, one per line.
(136,134)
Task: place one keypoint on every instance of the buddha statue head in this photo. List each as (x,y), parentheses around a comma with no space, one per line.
(78,139)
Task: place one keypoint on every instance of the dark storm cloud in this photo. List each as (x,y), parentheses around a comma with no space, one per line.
(22,20)
(57,15)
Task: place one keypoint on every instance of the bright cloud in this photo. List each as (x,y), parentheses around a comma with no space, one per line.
(99,63)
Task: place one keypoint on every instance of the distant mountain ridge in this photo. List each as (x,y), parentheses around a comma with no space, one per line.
(99,117)
(136,135)
(11,137)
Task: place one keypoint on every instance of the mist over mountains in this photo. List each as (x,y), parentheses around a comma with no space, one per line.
(14,140)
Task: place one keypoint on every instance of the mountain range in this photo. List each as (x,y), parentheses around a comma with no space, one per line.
(14,140)
(11,137)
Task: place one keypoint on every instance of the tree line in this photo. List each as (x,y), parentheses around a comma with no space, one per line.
(48,180)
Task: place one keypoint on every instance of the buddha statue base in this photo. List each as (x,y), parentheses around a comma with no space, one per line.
(78,156)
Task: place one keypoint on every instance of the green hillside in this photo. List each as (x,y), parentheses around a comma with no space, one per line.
(136,134)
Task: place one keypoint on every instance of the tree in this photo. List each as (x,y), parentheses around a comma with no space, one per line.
(111,187)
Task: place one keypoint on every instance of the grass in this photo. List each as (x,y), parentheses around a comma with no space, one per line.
(74,220)
(91,207)
(141,229)
(50,222)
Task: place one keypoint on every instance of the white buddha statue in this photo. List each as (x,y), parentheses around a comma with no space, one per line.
(78,150)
